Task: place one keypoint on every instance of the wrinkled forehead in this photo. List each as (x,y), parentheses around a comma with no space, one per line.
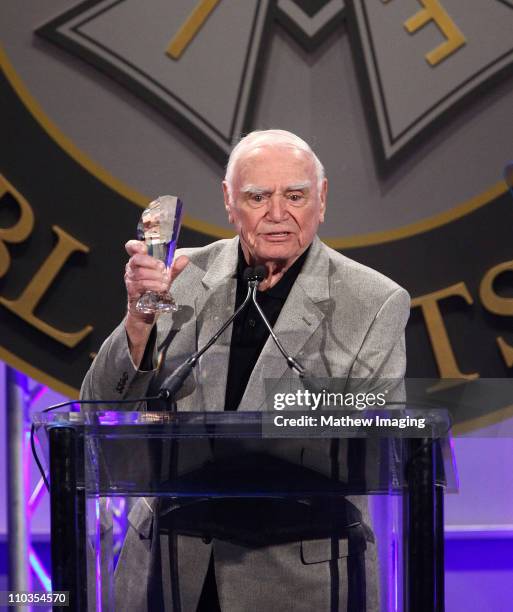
(274,161)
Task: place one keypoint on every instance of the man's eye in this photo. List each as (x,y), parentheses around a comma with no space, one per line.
(258,198)
(295,197)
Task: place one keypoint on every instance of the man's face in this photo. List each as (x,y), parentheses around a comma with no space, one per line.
(276,205)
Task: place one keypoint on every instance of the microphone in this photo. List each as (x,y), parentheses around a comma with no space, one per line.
(255,275)
(252,276)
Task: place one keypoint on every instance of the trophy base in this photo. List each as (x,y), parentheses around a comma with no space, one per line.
(155,303)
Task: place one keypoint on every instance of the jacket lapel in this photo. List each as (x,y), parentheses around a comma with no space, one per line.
(300,317)
(213,308)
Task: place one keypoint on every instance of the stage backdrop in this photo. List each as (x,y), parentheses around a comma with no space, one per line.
(107,104)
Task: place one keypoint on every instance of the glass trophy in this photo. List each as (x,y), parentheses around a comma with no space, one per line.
(159,227)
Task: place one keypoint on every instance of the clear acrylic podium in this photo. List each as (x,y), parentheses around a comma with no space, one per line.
(234,477)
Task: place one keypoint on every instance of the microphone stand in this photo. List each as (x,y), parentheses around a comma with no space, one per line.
(178,377)
(291,362)
(253,276)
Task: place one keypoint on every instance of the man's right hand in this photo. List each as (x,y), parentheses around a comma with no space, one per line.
(144,273)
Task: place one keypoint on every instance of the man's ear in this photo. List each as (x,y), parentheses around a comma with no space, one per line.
(323,196)
(227,201)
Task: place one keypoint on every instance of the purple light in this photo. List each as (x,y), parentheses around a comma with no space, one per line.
(396,570)
(118,508)
(98,557)
(26,463)
(394,558)
(108,418)
(30,396)
(455,469)
(39,571)
(35,498)
(41,390)
(119,527)
(21,381)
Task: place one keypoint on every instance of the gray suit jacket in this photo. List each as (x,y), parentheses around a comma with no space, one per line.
(341,320)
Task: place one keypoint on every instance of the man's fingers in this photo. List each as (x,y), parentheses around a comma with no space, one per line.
(142,272)
(133,247)
(138,273)
(145,273)
(136,288)
(140,259)
(145,263)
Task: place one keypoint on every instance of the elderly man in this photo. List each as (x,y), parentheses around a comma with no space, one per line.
(338,318)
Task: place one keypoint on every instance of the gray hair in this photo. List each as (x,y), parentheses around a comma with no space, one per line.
(263,138)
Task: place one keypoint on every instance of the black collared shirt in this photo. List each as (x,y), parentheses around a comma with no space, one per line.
(249,331)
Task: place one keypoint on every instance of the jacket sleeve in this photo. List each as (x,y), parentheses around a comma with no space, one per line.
(113,375)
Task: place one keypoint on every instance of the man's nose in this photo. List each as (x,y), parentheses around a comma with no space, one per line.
(277,210)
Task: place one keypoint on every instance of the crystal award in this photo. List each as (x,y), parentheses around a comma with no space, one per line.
(159,227)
